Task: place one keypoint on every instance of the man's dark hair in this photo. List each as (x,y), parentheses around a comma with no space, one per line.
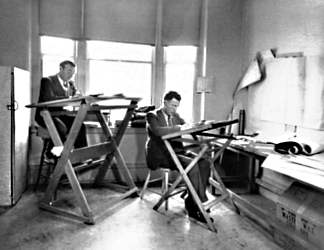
(172,94)
(67,62)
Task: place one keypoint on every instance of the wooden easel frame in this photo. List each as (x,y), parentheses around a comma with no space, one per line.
(109,149)
(209,150)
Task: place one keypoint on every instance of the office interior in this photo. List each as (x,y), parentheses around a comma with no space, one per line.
(229,37)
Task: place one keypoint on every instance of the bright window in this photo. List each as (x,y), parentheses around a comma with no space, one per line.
(55,50)
(119,51)
(130,79)
(123,68)
(180,71)
(118,68)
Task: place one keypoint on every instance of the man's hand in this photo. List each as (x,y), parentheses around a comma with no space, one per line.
(68,108)
(187,126)
(77,94)
(193,124)
(202,122)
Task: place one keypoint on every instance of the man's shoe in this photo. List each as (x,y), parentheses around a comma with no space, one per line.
(193,212)
(49,158)
(49,154)
(189,204)
(48,161)
(197,215)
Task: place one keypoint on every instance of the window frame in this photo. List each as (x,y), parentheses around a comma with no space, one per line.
(82,75)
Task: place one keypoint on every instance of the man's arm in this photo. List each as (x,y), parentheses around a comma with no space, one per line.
(47,92)
(157,128)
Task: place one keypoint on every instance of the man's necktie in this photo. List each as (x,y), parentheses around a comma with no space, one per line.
(68,90)
(170,121)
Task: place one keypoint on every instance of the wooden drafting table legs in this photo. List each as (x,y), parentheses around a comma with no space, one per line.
(205,150)
(115,143)
(70,156)
(216,153)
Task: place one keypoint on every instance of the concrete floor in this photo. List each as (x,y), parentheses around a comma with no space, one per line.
(135,226)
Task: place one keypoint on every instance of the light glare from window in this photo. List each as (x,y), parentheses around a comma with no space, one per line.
(120,68)
(57,46)
(119,51)
(181,54)
(130,79)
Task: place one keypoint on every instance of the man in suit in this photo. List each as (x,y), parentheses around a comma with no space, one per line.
(57,87)
(166,120)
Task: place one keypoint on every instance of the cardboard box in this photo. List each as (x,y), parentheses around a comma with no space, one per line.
(302,209)
(286,242)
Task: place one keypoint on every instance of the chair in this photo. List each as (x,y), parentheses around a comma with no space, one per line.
(164,187)
(44,134)
(165,184)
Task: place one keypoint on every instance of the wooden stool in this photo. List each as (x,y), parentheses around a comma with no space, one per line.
(44,134)
(164,187)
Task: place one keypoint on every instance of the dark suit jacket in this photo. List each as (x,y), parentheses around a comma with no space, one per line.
(156,151)
(50,90)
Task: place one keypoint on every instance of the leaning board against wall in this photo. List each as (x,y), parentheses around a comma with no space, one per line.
(292,93)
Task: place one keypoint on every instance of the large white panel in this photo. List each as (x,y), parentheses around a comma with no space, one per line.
(15,121)
(5,136)
(22,98)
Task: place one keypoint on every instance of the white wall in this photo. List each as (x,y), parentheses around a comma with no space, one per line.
(15,26)
(223,56)
(286,27)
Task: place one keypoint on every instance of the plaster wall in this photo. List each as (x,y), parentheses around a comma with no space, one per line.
(223,56)
(285,27)
(15,26)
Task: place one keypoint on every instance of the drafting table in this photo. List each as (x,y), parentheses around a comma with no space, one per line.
(104,152)
(201,138)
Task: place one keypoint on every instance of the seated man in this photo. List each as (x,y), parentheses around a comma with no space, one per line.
(161,122)
(58,87)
